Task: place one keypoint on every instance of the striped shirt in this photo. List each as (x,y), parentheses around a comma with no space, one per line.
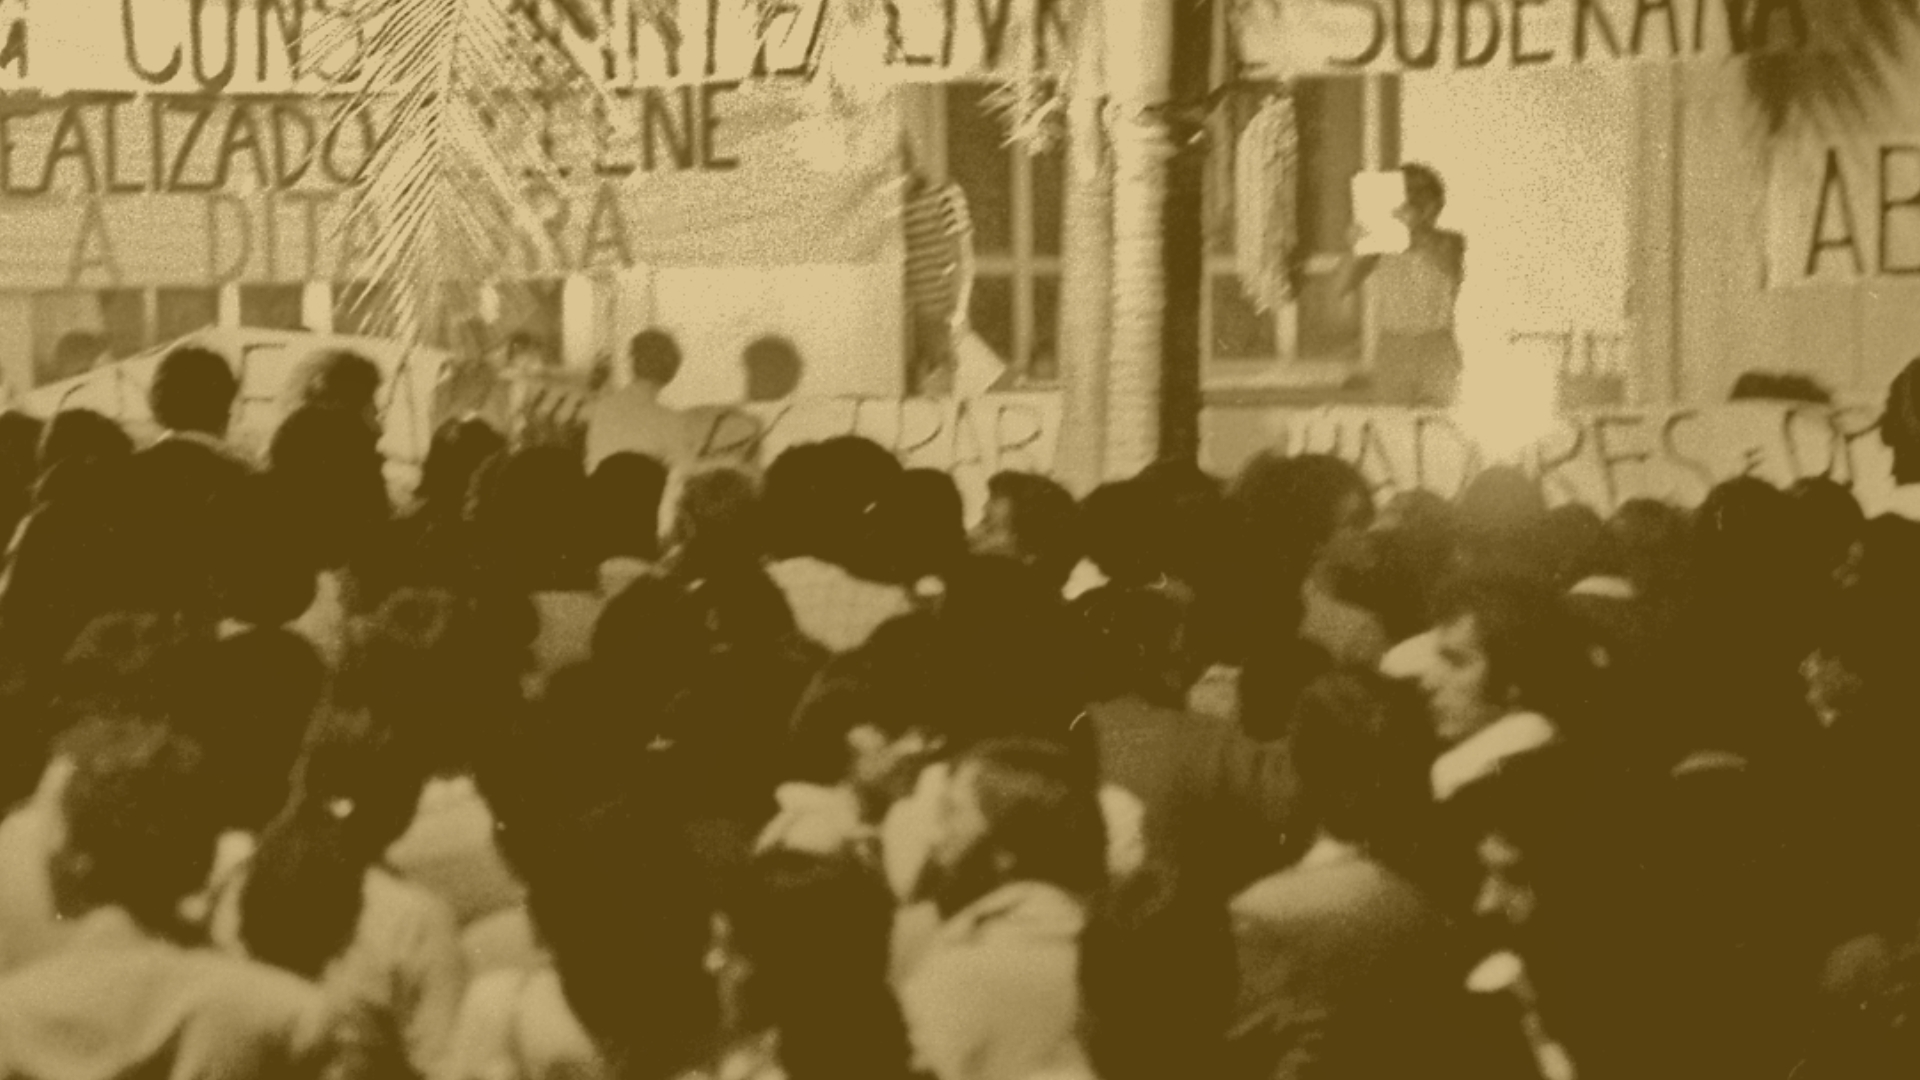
(937,225)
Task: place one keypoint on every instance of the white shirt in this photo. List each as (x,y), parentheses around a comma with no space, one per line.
(1481,754)
(632,420)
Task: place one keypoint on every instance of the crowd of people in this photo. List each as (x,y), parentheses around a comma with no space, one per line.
(1266,778)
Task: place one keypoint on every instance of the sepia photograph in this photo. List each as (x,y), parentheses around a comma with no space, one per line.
(959,539)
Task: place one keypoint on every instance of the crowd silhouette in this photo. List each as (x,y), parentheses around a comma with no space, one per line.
(659,772)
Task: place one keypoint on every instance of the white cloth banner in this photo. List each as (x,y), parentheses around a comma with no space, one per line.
(1601,458)
(1841,210)
(102,190)
(1288,38)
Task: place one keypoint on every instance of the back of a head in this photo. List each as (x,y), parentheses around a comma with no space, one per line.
(529,515)
(650,634)
(630,948)
(788,494)
(193,389)
(1570,539)
(1648,542)
(719,519)
(331,477)
(1831,522)
(923,524)
(773,368)
(341,380)
(1135,644)
(1009,664)
(623,500)
(654,356)
(1046,523)
(1352,759)
(1293,506)
(1900,422)
(140,820)
(855,477)
(459,448)
(442,670)
(1042,811)
(1737,534)
(250,699)
(82,435)
(1124,534)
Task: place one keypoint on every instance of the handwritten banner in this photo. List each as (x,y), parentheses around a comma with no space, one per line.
(1602,458)
(103,189)
(234,46)
(1287,38)
(1842,212)
(971,439)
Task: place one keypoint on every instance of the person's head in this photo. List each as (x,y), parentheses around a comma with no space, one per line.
(330,474)
(1570,542)
(193,390)
(1300,509)
(1351,759)
(1503,645)
(1502,523)
(1833,528)
(717,523)
(630,948)
(354,792)
(852,478)
(1900,424)
(1426,195)
(82,435)
(458,450)
(649,637)
(773,368)
(863,719)
(1646,542)
(134,820)
(343,381)
(1125,528)
(1031,519)
(654,357)
(249,702)
(623,503)
(1019,810)
(529,512)
(924,524)
(443,671)
(1136,643)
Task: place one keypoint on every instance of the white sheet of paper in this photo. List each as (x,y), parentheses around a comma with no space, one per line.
(1378,198)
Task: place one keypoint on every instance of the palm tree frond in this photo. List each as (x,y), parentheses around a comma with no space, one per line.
(1857,49)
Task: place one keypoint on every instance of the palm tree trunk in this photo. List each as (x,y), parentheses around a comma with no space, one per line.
(1139,51)
(1184,252)
(1086,298)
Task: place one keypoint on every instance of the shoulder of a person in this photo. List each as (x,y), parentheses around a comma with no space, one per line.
(242,987)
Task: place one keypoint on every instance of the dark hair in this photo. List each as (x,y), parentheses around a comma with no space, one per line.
(140,820)
(1292,505)
(82,435)
(459,449)
(1831,522)
(773,368)
(879,685)
(718,522)
(853,478)
(1157,978)
(1043,814)
(1418,174)
(193,389)
(529,515)
(1570,542)
(1045,522)
(442,670)
(630,948)
(924,525)
(249,700)
(1534,658)
(331,479)
(1780,386)
(623,506)
(1900,422)
(340,379)
(655,357)
(1646,541)
(1351,758)
(354,791)
(1123,532)
(1135,644)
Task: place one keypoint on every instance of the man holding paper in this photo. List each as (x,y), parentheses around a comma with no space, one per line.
(1415,269)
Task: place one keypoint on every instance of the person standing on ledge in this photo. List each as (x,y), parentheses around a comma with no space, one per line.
(634,419)
(1416,354)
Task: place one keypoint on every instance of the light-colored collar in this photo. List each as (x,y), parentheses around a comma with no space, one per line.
(198,438)
(1030,909)
(1481,754)
(1329,851)
(1605,587)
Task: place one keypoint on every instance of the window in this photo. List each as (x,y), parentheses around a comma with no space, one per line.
(1344,125)
(1015,201)
(76,330)
(272,307)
